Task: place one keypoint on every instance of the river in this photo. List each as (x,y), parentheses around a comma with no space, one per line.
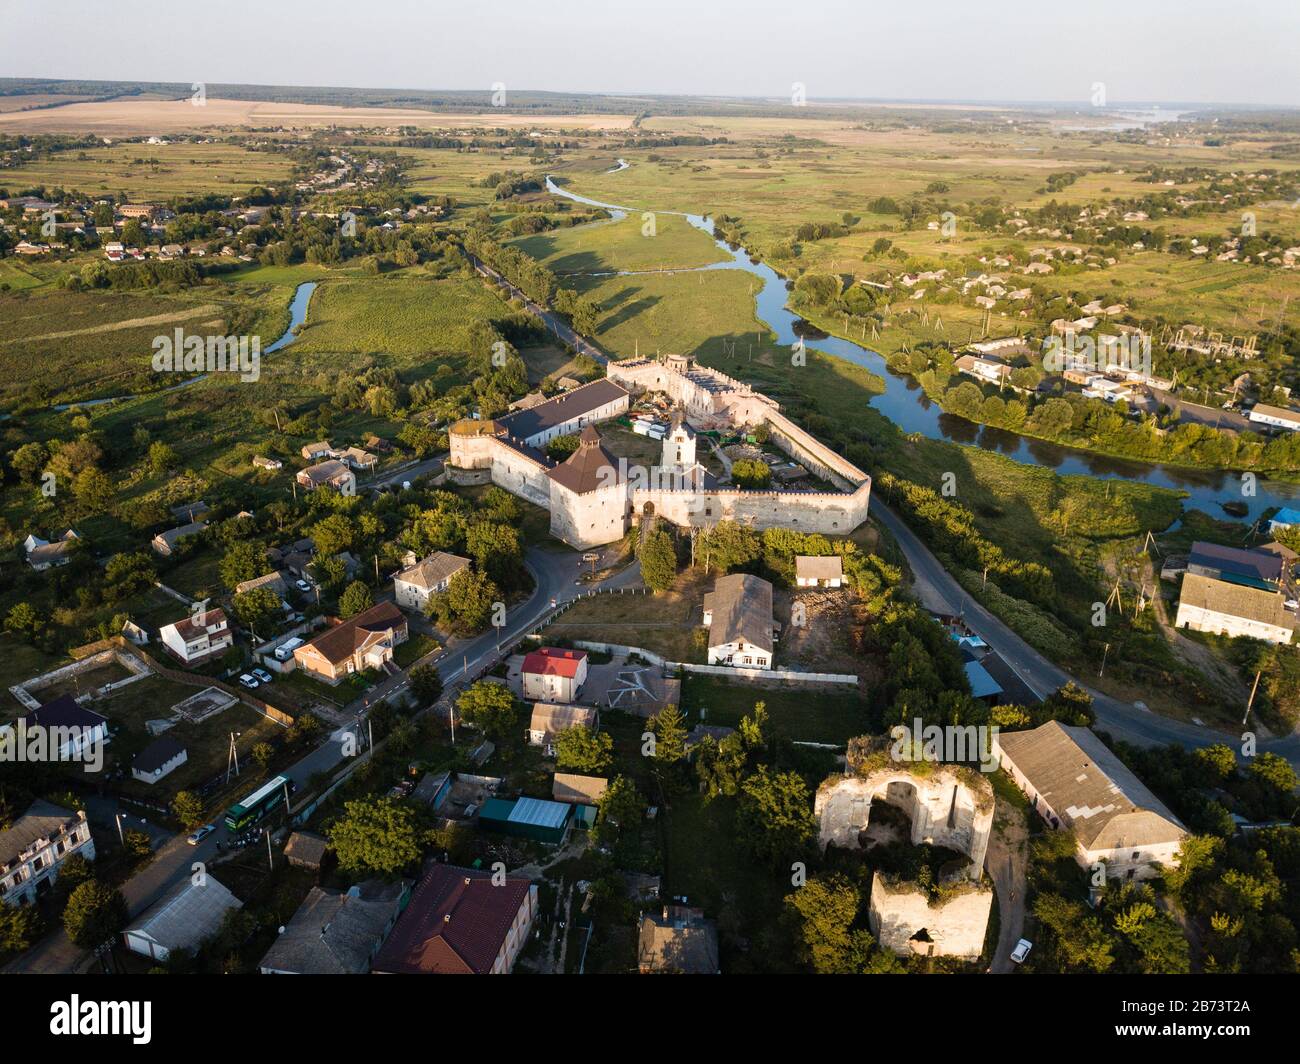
(905,404)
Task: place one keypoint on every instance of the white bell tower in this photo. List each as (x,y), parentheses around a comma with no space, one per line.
(679,445)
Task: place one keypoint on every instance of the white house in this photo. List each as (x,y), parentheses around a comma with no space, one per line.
(738,614)
(43,554)
(184,918)
(35,846)
(165,754)
(1073,781)
(549,719)
(199,637)
(566,414)
(554,675)
(414,585)
(1223,608)
(1275,417)
(69,728)
(827,571)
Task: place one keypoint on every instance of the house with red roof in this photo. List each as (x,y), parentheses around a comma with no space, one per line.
(459,922)
(554,675)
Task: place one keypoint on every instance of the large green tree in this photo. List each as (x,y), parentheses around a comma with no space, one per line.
(490,707)
(658,560)
(376,836)
(94,914)
(579,749)
(775,815)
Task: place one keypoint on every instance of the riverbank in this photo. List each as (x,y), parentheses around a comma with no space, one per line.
(891,344)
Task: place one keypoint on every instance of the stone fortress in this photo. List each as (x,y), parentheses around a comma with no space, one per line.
(594,498)
(949,806)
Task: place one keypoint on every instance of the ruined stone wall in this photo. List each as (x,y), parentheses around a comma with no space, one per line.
(945,809)
(954,928)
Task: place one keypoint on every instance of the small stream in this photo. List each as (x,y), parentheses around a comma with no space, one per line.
(908,407)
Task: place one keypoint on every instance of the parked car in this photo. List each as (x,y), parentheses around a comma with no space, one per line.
(1021,951)
(247,681)
(303,586)
(263,675)
(203,832)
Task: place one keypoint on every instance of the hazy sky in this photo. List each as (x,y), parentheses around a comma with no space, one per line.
(1244,51)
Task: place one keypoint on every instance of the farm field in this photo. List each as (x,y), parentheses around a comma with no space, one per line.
(156,171)
(137,116)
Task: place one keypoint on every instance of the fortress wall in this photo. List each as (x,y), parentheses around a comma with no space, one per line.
(588,520)
(943,808)
(824,512)
(805,448)
(517,473)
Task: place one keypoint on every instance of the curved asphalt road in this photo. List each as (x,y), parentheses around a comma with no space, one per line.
(938,590)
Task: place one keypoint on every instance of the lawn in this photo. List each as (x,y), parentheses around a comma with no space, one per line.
(821,713)
(206,743)
(663,623)
(20,661)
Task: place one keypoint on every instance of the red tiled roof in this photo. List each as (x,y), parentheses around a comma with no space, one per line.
(551,661)
(455,924)
(343,640)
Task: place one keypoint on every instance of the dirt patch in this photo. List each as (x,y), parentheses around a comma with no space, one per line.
(819,630)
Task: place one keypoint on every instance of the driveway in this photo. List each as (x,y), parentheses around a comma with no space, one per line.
(1006,860)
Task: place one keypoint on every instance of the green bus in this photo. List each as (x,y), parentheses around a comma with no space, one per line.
(267,797)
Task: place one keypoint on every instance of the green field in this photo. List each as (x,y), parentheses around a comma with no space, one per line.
(412,319)
(624,245)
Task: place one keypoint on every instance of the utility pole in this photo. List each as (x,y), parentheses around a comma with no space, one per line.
(120,836)
(1253,688)
(270,856)
(1103,660)
(232,757)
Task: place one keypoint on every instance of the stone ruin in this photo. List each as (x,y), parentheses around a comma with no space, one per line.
(949,806)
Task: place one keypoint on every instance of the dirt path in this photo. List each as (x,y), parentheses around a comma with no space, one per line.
(1006,860)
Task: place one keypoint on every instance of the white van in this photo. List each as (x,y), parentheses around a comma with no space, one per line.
(285,650)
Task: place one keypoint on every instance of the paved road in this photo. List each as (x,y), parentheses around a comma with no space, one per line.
(938,590)
(558,326)
(414,471)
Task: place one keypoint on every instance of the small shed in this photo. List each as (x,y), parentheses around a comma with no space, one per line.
(156,760)
(306,850)
(528,818)
(433,789)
